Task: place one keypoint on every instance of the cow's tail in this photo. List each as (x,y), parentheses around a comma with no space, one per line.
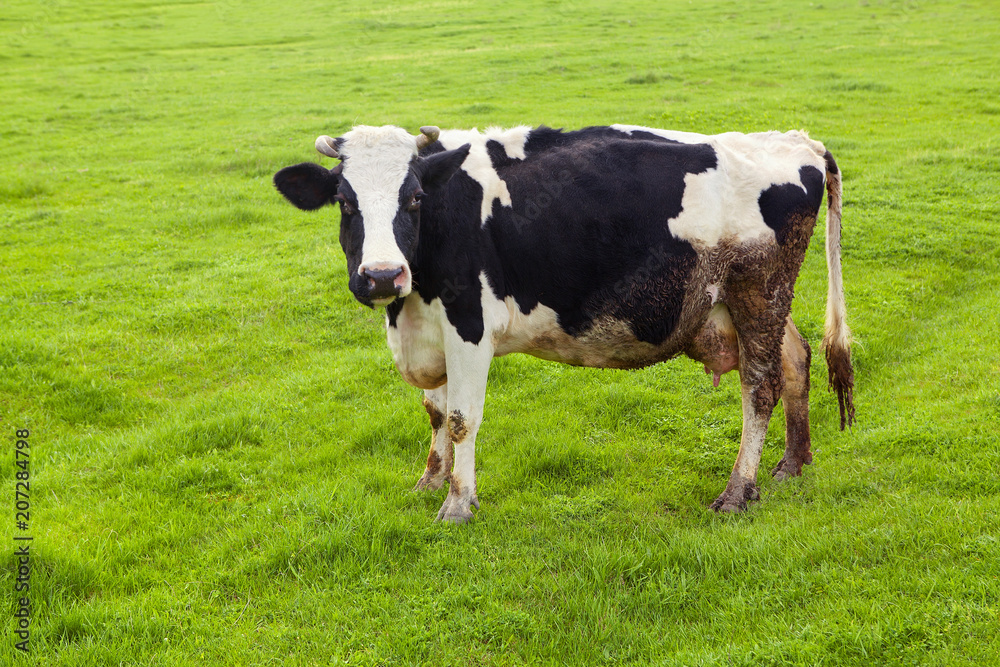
(837,336)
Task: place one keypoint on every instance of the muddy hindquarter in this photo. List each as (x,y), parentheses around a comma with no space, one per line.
(758,291)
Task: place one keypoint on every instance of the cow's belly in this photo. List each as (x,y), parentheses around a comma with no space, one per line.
(604,354)
(609,343)
(705,334)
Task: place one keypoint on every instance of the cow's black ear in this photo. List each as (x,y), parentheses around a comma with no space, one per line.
(437,169)
(308,185)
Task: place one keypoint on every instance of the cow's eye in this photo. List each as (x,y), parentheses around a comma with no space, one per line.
(414,204)
(345,206)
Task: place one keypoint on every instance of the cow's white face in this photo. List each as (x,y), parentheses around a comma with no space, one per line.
(379,186)
(379,198)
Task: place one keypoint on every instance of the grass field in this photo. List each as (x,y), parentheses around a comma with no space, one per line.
(222,451)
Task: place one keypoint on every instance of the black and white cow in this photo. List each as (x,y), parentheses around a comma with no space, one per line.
(611,247)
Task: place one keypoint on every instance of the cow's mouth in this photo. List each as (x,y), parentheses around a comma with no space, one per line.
(383,295)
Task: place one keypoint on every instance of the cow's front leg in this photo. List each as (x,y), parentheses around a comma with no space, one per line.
(440,455)
(795,359)
(468,368)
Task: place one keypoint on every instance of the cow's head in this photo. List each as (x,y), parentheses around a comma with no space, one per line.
(378,184)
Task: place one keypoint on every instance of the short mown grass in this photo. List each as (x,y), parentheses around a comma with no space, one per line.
(222,451)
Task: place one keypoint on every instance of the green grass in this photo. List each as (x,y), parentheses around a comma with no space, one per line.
(222,451)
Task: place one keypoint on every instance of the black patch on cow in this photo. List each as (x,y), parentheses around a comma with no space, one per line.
(831,164)
(451,254)
(587,233)
(406,224)
(436,169)
(650,136)
(546,138)
(781,204)
(392,311)
(352,238)
(498,155)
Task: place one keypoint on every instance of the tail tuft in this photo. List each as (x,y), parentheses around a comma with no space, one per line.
(841,379)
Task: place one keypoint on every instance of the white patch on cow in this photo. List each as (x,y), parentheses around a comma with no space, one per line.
(713,291)
(512,139)
(376,162)
(478,164)
(497,317)
(525,332)
(721,204)
(608,343)
(683,137)
(704,211)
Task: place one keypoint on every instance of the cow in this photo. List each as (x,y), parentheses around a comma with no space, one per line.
(609,247)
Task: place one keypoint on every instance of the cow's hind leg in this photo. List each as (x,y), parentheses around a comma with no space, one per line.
(795,359)
(758,292)
(759,323)
(440,456)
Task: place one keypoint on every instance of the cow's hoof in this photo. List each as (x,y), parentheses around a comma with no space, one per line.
(787,468)
(429,483)
(735,501)
(457,509)
(722,504)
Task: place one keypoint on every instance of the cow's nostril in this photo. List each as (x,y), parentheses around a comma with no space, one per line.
(382,282)
(379,275)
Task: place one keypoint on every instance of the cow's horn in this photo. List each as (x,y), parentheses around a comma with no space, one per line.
(327,146)
(428,135)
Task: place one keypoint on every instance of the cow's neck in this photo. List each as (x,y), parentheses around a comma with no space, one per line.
(452,252)
(453,247)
